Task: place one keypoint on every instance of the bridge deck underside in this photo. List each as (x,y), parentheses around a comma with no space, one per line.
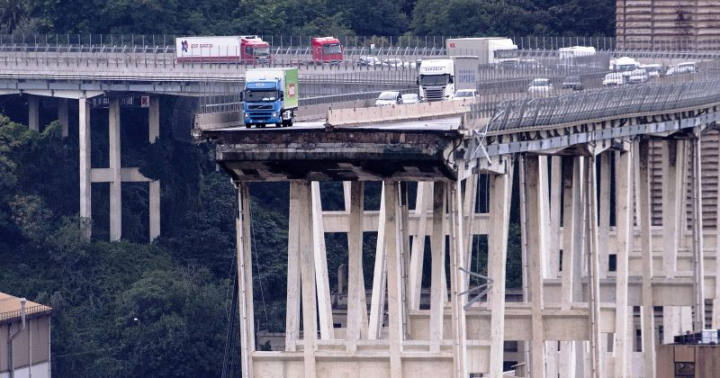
(339,155)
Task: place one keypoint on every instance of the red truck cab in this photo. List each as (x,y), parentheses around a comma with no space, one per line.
(253,50)
(327,50)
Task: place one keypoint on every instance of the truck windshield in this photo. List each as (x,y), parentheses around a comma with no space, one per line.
(260,95)
(257,51)
(507,54)
(332,49)
(427,80)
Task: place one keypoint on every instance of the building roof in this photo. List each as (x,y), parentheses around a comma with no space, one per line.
(10,308)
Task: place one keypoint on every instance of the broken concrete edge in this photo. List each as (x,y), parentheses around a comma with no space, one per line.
(330,127)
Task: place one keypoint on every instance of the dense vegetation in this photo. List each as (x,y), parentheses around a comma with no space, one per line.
(311,17)
(164,309)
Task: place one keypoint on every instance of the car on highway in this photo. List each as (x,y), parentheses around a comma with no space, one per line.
(368,61)
(542,85)
(389,98)
(410,98)
(653,70)
(465,94)
(573,82)
(638,76)
(683,68)
(614,79)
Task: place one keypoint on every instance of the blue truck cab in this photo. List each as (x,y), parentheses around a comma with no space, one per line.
(270,97)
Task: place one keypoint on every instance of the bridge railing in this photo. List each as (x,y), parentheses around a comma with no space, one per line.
(600,103)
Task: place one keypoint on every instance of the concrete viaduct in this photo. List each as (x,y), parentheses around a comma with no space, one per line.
(579,316)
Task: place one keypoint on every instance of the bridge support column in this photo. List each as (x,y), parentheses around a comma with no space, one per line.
(85,168)
(625,236)
(422,203)
(292,313)
(593,264)
(115,171)
(63,116)
(321,269)
(34,113)
(697,233)
(437,297)
(355,269)
(377,305)
(457,280)
(245,282)
(307,263)
(500,194)
(644,218)
(604,210)
(154,189)
(669,209)
(394,279)
(571,287)
(535,187)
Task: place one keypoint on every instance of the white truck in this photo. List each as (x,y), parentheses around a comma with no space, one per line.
(247,49)
(490,50)
(438,79)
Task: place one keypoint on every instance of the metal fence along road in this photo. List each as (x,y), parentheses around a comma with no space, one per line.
(601,103)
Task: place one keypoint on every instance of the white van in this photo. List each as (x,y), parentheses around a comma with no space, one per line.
(653,70)
(637,76)
(683,68)
(613,79)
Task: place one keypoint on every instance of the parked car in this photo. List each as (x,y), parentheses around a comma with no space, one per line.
(410,98)
(395,63)
(614,79)
(683,68)
(573,82)
(389,98)
(540,86)
(638,76)
(368,61)
(653,70)
(465,94)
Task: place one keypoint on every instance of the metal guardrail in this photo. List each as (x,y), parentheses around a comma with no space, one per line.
(600,103)
(4,316)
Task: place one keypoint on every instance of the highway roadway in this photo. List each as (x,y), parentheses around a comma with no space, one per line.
(450,123)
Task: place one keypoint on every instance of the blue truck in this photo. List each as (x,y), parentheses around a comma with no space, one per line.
(270,97)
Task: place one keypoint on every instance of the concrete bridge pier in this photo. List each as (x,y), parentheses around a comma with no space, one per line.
(34,113)
(115,174)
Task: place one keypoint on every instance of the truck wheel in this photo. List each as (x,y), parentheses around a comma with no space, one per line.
(248,125)
(278,125)
(262,125)
(290,122)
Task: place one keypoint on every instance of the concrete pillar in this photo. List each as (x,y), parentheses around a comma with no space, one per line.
(63,116)
(245,281)
(355,270)
(535,187)
(321,269)
(644,209)
(394,282)
(457,281)
(423,201)
(307,263)
(604,205)
(555,195)
(377,305)
(596,349)
(85,168)
(404,247)
(697,232)
(500,195)
(551,257)
(669,210)
(153,135)
(34,113)
(625,237)
(292,313)
(437,241)
(716,300)
(115,169)
(524,250)
(469,204)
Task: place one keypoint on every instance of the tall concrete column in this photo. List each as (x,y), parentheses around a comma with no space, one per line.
(604,205)
(644,217)
(394,282)
(535,188)
(153,135)
(596,344)
(321,269)
(292,312)
(669,210)
(500,194)
(625,236)
(245,282)
(307,263)
(115,169)
(34,113)
(437,241)
(697,233)
(355,270)
(424,195)
(85,168)
(63,116)
(457,281)
(377,305)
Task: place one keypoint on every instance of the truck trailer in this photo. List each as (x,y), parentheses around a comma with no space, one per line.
(490,50)
(327,50)
(270,96)
(438,79)
(249,49)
